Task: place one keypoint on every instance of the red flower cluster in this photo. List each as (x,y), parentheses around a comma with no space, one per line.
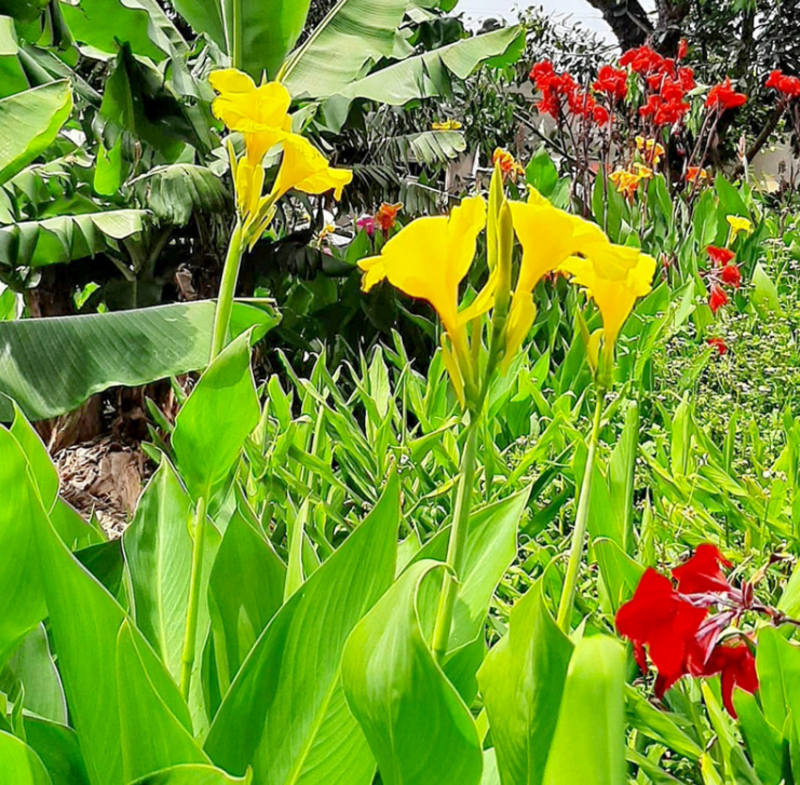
(725,272)
(681,638)
(667,82)
(561,95)
(612,82)
(788,85)
(723,97)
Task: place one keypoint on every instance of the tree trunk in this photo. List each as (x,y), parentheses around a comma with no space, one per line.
(627,19)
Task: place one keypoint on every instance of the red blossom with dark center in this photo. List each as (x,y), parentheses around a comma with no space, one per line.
(613,82)
(738,668)
(720,256)
(732,275)
(702,572)
(723,97)
(658,617)
(717,298)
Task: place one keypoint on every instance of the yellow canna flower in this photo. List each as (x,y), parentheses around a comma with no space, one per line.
(548,236)
(615,276)
(261,114)
(626,182)
(306,169)
(430,257)
(653,149)
(642,171)
(739,224)
(447,125)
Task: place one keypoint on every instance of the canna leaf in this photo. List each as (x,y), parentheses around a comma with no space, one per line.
(21,765)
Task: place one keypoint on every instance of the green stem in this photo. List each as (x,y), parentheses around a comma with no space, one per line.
(189,642)
(457,546)
(581,521)
(236,43)
(227,288)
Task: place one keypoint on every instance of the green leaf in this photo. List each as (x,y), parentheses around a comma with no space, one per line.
(29,123)
(22,603)
(705,220)
(659,725)
(152,736)
(158,552)
(219,415)
(192,775)
(417,725)
(765,294)
(33,667)
(778,668)
(620,573)
(21,765)
(428,147)
(522,681)
(764,743)
(285,713)
(142,24)
(58,748)
(245,591)
(66,237)
(173,193)
(42,469)
(355,33)
(541,172)
(109,168)
(730,199)
(88,354)
(589,742)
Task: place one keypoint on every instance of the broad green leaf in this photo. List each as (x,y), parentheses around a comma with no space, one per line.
(659,725)
(173,193)
(266,31)
(88,354)
(421,76)
(192,775)
(158,552)
(22,603)
(417,725)
(58,748)
(522,681)
(491,547)
(29,122)
(428,147)
(705,220)
(542,173)
(33,667)
(778,668)
(589,742)
(76,533)
(109,168)
(20,764)
(356,33)
(42,468)
(730,200)
(245,591)
(143,24)
(765,293)
(219,415)
(285,713)
(152,737)
(86,645)
(66,237)
(764,742)
(619,571)
(621,470)
(491,774)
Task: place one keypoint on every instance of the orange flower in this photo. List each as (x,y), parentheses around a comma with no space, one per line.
(696,173)
(386,216)
(507,162)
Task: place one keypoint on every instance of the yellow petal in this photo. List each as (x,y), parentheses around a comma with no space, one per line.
(614,277)
(244,107)
(231,80)
(306,169)
(455,375)
(429,258)
(375,272)
(520,318)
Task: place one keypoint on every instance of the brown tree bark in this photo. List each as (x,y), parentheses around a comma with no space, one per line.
(627,19)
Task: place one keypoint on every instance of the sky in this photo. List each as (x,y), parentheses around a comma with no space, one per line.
(580,10)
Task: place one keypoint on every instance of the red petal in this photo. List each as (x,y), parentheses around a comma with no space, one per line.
(702,573)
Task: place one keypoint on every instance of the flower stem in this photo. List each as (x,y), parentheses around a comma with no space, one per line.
(227,288)
(457,545)
(581,521)
(189,642)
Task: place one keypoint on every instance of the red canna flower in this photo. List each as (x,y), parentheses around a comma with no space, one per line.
(701,573)
(612,82)
(658,617)
(601,115)
(654,103)
(774,79)
(723,97)
(386,216)
(717,297)
(719,344)
(683,49)
(738,668)
(642,60)
(788,85)
(541,72)
(720,256)
(686,78)
(732,275)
